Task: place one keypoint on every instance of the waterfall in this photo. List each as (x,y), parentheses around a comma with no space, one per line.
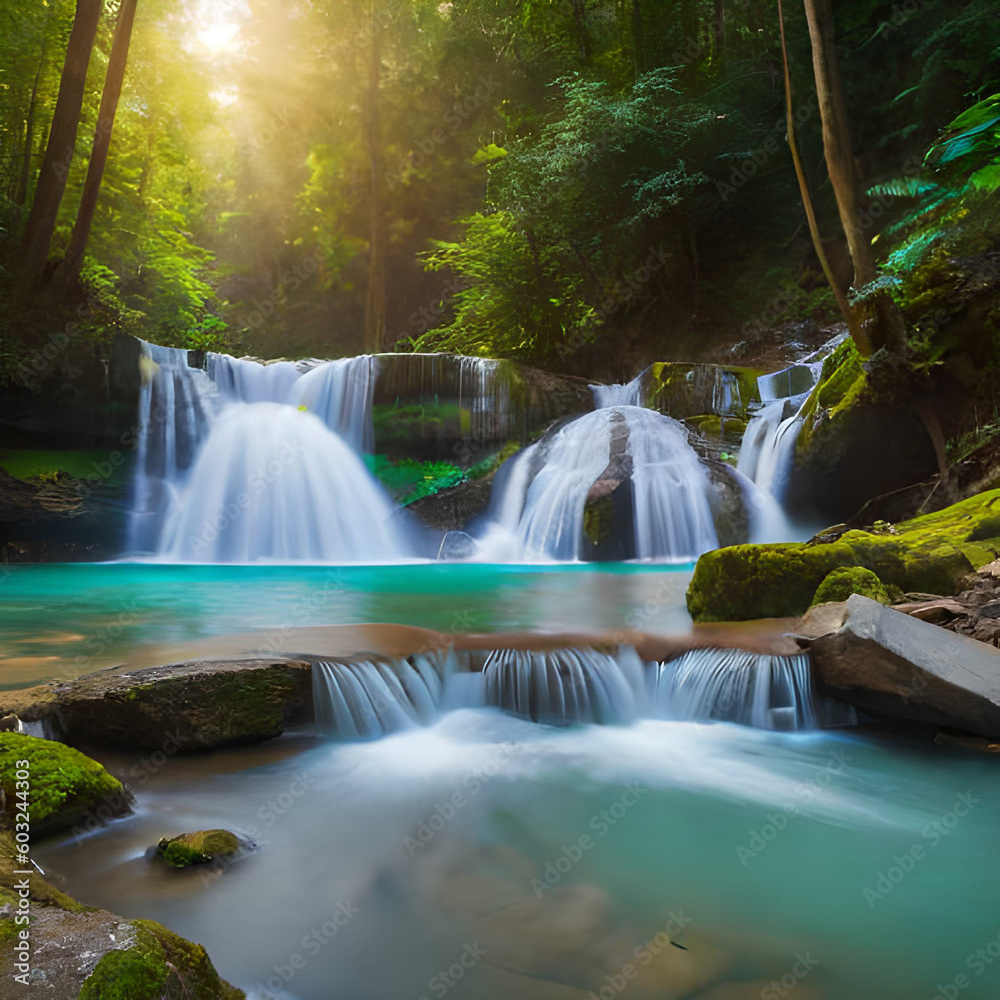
(175,406)
(627,394)
(768,450)
(566,686)
(365,699)
(273,483)
(244,381)
(767,692)
(540,497)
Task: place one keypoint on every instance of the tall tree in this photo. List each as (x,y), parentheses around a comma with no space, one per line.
(113,81)
(875,322)
(62,140)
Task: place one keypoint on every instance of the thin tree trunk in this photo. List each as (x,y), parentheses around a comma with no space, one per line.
(375,305)
(877,323)
(102,141)
(29,137)
(581,29)
(719,32)
(817,240)
(638,63)
(60,147)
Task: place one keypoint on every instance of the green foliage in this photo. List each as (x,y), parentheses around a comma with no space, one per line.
(408,480)
(211,334)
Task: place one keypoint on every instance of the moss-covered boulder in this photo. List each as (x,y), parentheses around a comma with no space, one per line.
(682,390)
(198,848)
(930,554)
(64,786)
(856,442)
(179,707)
(82,952)
(839,584)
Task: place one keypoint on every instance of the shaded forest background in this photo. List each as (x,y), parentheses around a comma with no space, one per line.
(588,185)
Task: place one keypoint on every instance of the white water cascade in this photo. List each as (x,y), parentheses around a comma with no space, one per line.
(366,699)
(539,499)
(566,686)
(768,449)
(230,470)
(767,692)
(624,394)
(374,696)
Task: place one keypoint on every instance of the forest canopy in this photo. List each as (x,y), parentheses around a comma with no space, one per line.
(567,182)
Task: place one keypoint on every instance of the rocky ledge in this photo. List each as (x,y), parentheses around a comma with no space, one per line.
(195,706)
(896,666)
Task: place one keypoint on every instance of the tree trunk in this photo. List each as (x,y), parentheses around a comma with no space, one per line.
(719,32)
(581,29)
(29,136)
(817,240)
(62,140)
(102,141)
(638,62)
(875,323)
(375,302)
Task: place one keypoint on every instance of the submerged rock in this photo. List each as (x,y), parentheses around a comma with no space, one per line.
(180,707)
(65,785)
(893,665)
(932,554)
(197,848)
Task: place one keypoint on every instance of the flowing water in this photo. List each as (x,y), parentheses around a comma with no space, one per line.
(489,857)
(539,498)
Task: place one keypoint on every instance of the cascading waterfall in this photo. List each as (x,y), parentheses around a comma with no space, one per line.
(230,470)
(767,692)
(275,483)
(566,686)
(372,697)
(539,499)
(626,394)
(175,408)
(768,449)
(365,699)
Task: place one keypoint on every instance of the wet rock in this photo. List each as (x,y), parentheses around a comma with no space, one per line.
(896,666)
(66,786)
(933,553)
(78,953)
(180,707)
(455,508)
(198,848)
(682,390)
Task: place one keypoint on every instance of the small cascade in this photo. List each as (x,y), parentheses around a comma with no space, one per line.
(366,699)
(566,686)
(546,493)
(731,685)
(243,381)
(340,394)
(768,450)
(627,394)
(175,407)
(273,483)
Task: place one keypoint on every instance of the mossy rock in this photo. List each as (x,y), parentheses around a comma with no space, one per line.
(158,966)
(839,584)
(197,848)
(930,554)
(65,785)
(682,390)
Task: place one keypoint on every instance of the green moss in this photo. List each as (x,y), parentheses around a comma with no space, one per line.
(930,554)
(197,848)
(158,966)
(840,584)
(31,463)
(65,783)
(8,930)
(493,462)
(408,480)
(684,390)
(842,386)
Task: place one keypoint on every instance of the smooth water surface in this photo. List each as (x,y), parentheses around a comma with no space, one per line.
(68,619)
(834,866)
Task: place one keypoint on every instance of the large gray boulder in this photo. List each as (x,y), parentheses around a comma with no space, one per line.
(893,665)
